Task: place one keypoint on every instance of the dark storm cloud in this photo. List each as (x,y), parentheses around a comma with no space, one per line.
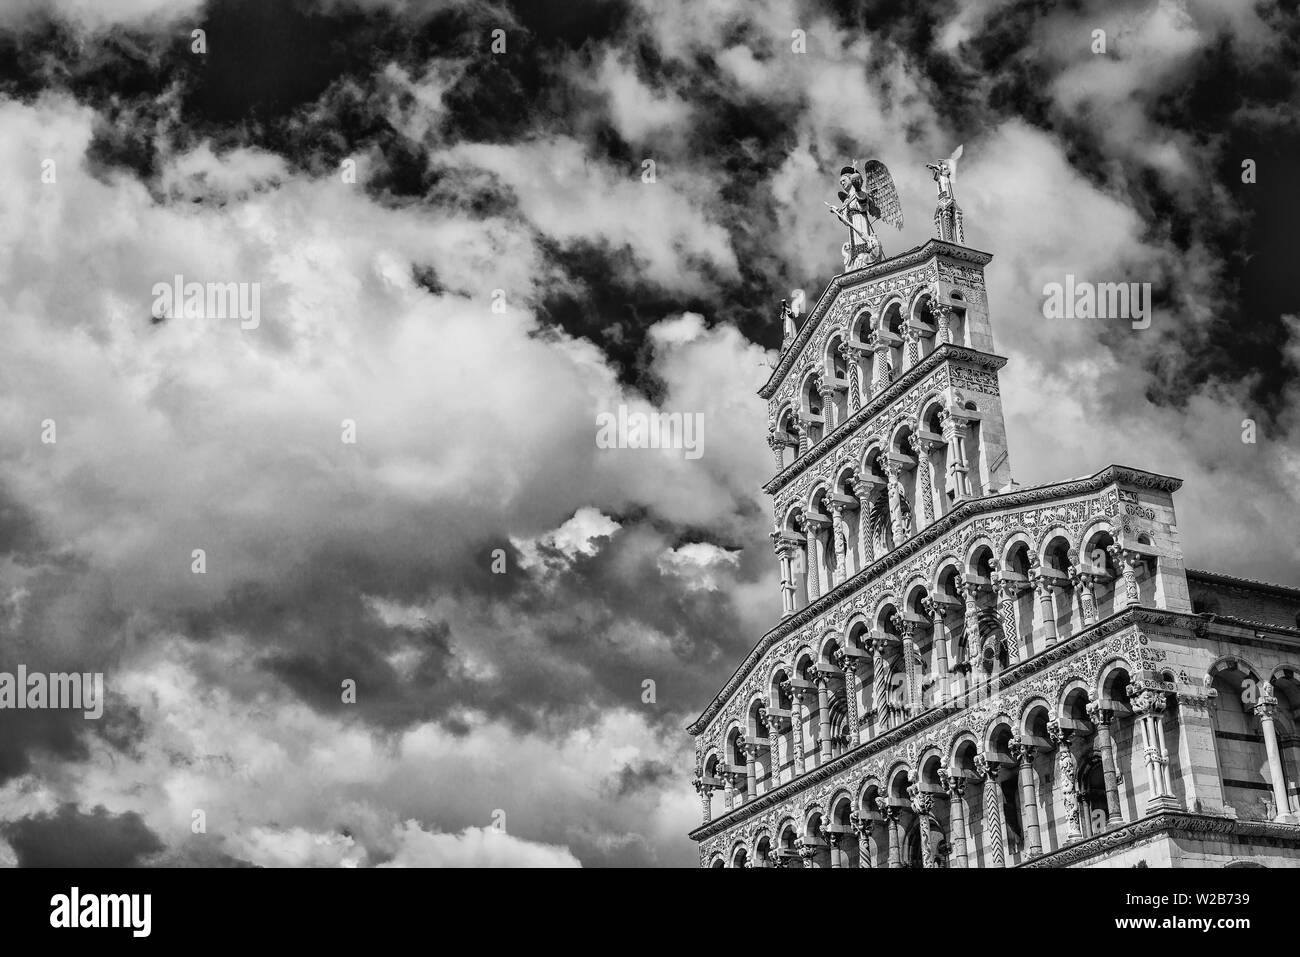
(562,643)
(70,837)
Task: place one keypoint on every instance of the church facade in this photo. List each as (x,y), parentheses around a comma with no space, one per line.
(970,673)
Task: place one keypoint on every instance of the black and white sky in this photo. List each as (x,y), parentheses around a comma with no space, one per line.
(516,178)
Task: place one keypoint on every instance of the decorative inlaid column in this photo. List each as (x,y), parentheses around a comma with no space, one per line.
(895,487)
(923,448)
(954,433)
(907,630)
(1046,605)
(1265,710)
(1028,781)
(942,313)
(1127,562)
(864,489)
(827,393)
(864,827)
(772,726)
(954,783)
(849,665)
(939,643)
(994,832)
(1083,587)
(1101,717)
(884,372)
(912,346)
(1069,775)
(853,362)
(809,529)
(1007,617)
(880,691)
(823,717)
(796,723)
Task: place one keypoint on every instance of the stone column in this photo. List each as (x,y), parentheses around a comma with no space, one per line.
(705,791)
(891,824)
(954,433)
(833,846)
(801,432)
(880,691)
(1069,774)
(1101,717)
(942,313)
(864,489)
(865,840)
(994,832)
(923,448)
(772,728)
(912,346)
(1265,710)
(853,362)
(1083,585)
(785,560)
(939,642)
(1007,617)
(884,372)
(823,718)
(954,783)
(796,723)
(1028,781)
(1046,604)
(849,665)
(751,771)
(1149,705)
(827,392)
(907,630)
(1127,562)
(809,530)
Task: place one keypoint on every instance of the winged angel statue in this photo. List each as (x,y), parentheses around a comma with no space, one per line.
(865,196)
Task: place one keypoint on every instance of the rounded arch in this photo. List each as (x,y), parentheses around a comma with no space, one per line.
(861,324)
(979,557)
(1231,663)
(1108,680)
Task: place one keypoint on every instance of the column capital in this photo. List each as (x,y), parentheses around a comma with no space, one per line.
(1098,713)
(1022,752)
(1146,701)
(987,769)
(954,782)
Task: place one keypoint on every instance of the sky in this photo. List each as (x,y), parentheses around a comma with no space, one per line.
(469,254)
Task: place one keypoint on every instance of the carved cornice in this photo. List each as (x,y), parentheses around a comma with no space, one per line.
(965,511)
(945,352)
(1181,823)
(907,260)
